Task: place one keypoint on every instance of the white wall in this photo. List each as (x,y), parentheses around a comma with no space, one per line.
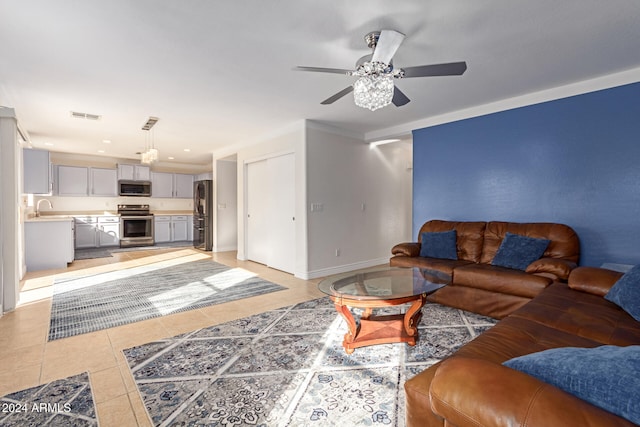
(340,172)
(288,140)
(10,225)
(365,194)
(225,206)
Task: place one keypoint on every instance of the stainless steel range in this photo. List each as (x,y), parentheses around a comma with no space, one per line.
(136,225)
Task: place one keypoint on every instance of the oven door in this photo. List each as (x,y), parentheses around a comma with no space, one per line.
(136,230)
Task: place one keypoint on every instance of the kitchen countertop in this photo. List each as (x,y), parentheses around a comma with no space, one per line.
(159,212)
(49,218)
(60,216)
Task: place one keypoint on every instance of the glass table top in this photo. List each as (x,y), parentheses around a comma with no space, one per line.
(384,283)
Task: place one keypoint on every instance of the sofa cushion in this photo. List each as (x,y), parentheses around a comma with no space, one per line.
(553,267)
(607,376)
(500,279)
(625,293)
(439,245)
(469,236)
(564,240)
(593,280)
(444,265)
(517,251)
(580,314)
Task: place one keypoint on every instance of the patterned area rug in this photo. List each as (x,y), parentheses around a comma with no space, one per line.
(66,402)
(287,367)
(92,253)
(91,303)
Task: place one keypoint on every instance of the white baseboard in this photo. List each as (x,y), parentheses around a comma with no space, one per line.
(329,271)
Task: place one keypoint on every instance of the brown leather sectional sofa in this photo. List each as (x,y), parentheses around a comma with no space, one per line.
(473,388)
(483,288)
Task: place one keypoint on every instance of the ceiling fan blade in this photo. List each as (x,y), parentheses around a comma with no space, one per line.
(337,96)
(448,69)
(399,98)
(324,70)
(388,43)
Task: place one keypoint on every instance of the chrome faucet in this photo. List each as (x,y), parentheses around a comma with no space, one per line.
(38,205)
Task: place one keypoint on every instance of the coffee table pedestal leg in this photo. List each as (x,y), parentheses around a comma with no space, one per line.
(383,329)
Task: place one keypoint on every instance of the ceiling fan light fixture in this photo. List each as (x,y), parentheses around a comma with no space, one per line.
(373,91)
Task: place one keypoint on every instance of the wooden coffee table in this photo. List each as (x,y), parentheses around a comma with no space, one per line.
(380,288)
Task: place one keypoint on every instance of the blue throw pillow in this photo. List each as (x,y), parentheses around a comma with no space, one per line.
(625,293)
(518,251)
(607,376)
(439,245)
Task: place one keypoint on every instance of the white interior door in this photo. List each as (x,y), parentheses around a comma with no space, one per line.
(282,212)
(258,207)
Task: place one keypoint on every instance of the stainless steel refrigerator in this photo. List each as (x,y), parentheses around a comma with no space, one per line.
(203,214)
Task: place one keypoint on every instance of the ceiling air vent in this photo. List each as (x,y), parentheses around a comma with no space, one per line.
(87,116)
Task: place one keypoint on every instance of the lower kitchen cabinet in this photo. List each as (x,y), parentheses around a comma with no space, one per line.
(180,230)
(86,236)
(162,228)
(171,228)
(108,231)
(97,231)
(48,243)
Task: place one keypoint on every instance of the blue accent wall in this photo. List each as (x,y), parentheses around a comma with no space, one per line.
(574,161)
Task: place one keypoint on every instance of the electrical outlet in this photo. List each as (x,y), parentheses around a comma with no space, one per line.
(338,252)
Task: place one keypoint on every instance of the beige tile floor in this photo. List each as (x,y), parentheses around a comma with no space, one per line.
(27,359)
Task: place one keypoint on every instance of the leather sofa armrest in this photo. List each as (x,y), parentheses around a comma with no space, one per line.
(475,392)
(406,249)
(560,268)
(593,280)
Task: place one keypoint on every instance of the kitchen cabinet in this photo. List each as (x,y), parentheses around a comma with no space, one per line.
(203,176)
(104,182)
(190,228)
(86,232)
(108,231)
(72,180)
(36,171)
(182,186)
(134,172)
(171,228)
(171,185)
(48,243)
(179,228)
(161,184)
(97,231)
(162,228)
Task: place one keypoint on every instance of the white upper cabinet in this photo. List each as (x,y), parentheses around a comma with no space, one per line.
(171,185)
(161,184)
(203,176)
(104,182)
(183,186)
(134,172)
(37,171)
(72,180)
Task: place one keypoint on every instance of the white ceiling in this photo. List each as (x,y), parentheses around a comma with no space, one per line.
(219,73)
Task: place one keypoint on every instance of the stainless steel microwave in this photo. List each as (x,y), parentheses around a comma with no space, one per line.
(134,188)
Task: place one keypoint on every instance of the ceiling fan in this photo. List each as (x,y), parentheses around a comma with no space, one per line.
(375,88)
